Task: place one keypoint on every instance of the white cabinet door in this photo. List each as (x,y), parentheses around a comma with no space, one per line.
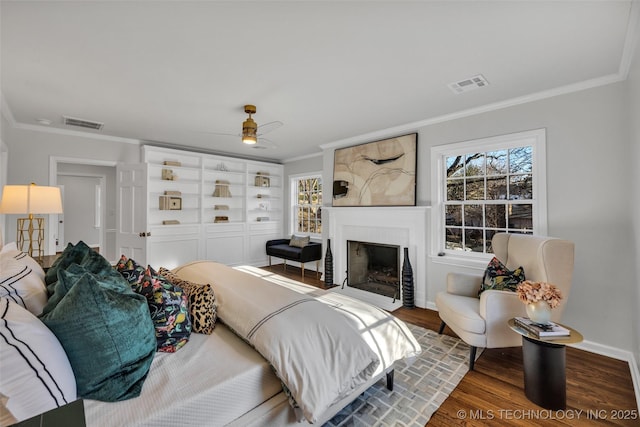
(131,205)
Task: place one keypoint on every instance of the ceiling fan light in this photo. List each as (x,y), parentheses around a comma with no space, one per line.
(250,140)
(249,131)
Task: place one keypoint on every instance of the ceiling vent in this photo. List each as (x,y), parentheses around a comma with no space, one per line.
(466,85)
(82,123)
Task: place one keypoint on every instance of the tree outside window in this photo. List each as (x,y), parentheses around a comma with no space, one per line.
(489,186)
(307,204)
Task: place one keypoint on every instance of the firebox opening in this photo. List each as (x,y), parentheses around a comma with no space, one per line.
(374,267)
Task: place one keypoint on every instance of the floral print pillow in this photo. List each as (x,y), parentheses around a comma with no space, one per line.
(498,277)
(168,304)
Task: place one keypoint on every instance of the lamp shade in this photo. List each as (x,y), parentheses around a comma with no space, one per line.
(30,199)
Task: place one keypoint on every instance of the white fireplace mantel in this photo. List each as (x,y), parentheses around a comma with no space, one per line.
(402,226)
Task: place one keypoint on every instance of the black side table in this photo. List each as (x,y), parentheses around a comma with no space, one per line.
(544,360)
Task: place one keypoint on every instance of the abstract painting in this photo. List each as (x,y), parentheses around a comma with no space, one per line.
(380,173)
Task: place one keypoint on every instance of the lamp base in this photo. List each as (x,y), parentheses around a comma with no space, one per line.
(25,233)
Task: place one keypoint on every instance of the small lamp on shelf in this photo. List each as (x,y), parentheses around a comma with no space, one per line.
(30,200)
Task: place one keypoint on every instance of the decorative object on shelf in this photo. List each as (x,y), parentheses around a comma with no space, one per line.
(175,203)
(407,281)
(221,218)
(171,163)
(170,222)
(168,175)
(221,207)
(31,200)
(262,218)
(172,193)
(164,203)
(222,167)
(328,265)
(380,173)
(263,206)
(262,179)
(262,196)
(222,188)
(540,298)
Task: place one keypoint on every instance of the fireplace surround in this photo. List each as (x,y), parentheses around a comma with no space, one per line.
(402,227)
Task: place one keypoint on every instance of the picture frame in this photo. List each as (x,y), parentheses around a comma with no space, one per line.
(378,173)
(175,203)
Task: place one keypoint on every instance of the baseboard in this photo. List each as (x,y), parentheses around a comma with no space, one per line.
(616,353)
(603,350)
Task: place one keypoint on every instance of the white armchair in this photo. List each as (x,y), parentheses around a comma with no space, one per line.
(482,322)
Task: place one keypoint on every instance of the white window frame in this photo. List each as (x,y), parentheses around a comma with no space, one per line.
(293,200)
(534,138)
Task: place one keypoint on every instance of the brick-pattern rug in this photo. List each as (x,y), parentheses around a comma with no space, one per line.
(419,389)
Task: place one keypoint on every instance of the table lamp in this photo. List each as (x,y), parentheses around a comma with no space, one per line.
(31,200)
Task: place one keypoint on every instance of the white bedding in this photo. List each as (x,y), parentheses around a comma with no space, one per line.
(213,379)
(319,356)
(322,345)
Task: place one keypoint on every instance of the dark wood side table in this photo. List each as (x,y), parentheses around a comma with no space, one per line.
(47,261)
(544,360)
(70,415)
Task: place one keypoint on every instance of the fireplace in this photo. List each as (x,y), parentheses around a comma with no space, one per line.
(374,267)
(394,227)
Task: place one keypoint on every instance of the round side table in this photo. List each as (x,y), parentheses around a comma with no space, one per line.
(544,360)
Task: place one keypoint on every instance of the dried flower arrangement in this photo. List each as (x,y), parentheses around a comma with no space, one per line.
(530,292)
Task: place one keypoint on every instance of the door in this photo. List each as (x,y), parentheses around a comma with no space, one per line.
(131,206)
(83,211)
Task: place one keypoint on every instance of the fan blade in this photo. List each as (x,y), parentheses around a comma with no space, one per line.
(268,127)
(265,143)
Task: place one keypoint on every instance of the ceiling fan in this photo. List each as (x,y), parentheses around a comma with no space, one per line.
(252,133)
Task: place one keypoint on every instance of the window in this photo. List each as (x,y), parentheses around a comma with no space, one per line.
(306,201)
(487,186)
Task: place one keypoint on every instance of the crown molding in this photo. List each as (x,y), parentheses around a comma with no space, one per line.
(304,157)
(6,111)
(414,126)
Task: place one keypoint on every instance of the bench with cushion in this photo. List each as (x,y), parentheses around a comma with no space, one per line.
(299,249)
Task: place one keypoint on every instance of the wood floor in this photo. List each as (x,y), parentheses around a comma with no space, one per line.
(599,389)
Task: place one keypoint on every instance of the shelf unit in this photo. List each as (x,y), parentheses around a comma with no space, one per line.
(224,215)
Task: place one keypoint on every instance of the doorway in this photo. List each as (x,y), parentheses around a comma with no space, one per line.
(84,210)
(88,190)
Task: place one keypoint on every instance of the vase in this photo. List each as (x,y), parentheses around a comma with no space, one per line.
(328,266)
(539,312)
(407,281)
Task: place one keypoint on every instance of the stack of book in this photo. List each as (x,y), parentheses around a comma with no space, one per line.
(550,330)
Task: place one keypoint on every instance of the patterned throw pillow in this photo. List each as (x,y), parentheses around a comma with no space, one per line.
(167,303)
(202,302)
(299,241)
(498,277)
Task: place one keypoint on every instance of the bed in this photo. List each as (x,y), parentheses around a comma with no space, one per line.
(261,364)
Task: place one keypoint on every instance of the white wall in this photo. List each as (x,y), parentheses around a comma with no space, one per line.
(634,141)
(29,153)
(589,172)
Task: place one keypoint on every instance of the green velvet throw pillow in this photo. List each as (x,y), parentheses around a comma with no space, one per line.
(80,254)
(106,331)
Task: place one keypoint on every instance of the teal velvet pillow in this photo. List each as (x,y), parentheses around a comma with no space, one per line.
(106,331)
(80,254)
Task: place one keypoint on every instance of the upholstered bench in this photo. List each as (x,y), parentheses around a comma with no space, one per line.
(302,251)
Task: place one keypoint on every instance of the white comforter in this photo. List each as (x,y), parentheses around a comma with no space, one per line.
(322,346)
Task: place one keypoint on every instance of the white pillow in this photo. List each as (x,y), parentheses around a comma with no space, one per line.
(35,371)
(9,247)
(22,281)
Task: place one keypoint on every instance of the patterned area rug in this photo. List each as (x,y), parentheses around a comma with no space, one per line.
(419,389)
